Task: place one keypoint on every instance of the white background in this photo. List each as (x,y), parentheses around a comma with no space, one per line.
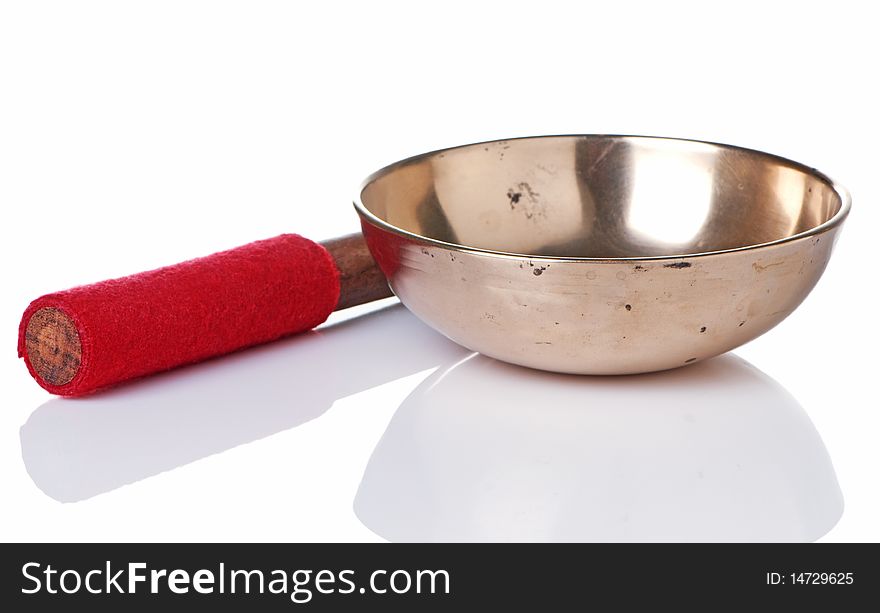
(139,134)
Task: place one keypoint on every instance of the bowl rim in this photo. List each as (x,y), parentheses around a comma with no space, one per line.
(834,221)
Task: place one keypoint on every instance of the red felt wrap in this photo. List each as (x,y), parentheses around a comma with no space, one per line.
(156,320)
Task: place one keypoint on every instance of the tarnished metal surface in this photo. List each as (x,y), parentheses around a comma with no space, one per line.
(601,254)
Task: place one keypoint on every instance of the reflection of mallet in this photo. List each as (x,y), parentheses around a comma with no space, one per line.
(93,336)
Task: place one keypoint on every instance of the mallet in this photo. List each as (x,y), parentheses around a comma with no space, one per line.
(86,338)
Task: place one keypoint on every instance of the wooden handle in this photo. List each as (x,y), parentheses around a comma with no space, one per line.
(360,280)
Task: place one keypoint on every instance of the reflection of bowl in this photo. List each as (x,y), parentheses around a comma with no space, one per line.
(483,451)
(601,254)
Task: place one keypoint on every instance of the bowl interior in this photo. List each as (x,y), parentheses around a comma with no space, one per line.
(601,197)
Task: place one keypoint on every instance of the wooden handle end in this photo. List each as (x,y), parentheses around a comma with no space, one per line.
(53,346)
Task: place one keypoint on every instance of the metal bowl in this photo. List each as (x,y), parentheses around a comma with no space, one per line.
(601,254)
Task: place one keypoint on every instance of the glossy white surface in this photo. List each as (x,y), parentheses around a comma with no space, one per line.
(76,449)
(482,450)
(133,136)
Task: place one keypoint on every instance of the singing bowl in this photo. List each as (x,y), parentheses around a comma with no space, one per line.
(597,254)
